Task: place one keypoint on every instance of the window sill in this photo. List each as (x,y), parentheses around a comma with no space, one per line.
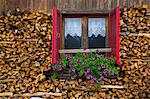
(85,51)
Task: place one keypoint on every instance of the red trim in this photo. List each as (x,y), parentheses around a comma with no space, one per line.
(115,34)
(118,35)
(54,19)
(56,34)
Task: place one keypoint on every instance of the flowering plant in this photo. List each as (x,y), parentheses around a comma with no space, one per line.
(88,66)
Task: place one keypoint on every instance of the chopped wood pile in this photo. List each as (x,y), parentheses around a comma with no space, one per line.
(25,50)
(135,51)
(135,32)
(21,59)
(135,19)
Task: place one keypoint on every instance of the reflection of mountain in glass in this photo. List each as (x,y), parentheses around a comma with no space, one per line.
(96,41)
(72,42)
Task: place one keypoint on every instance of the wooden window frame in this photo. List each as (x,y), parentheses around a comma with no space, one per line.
(114,35)
(84,35)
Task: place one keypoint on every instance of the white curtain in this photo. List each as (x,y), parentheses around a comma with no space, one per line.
(73,26)
(96,26)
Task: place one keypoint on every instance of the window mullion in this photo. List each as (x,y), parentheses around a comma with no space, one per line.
(84,32)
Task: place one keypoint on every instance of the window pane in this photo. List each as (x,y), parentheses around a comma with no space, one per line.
(73,29)
(96,32)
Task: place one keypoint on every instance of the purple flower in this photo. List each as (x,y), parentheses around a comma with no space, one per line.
(105,72)
(54,67)
(59,68)
(84,63)
(111,73)
(71,63)
(84,54)
(103,65)
(95,79)
(70,56)
(73,69)
(99,68)
(88,77)
(88,70)
(85,73)
(91,82)
(88,58)
(101,77)
(72,78)
(69,71)
(79,60)
(88,53)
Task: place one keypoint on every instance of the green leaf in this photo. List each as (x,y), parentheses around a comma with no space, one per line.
(81,71)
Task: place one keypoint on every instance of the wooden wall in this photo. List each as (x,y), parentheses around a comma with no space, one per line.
(67,5)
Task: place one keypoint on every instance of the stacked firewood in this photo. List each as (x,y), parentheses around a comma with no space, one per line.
(134,48)
(24,59)
(25,50)
(135,32)
(25,25)
(135,19)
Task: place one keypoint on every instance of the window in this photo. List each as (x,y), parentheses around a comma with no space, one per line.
(83,31)
(96,32)
(73,30)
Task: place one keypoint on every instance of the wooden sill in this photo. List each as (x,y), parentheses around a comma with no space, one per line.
(85,51)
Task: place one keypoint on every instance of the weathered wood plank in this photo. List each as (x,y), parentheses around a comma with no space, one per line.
(85,51)
(2,2)
(78,5)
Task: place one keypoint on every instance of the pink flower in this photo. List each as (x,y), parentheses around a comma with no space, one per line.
(88,70)
(88,53)
(84,63)
(95,79)
(101,77)
(99,68)
(103,65)
(79,60)
(111,73)
(85,73)
(70,56)
(71,63)
(54,67)
(91,82)
(59,68)
(72,78)
(87,77)
(105,72)
(69,71)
